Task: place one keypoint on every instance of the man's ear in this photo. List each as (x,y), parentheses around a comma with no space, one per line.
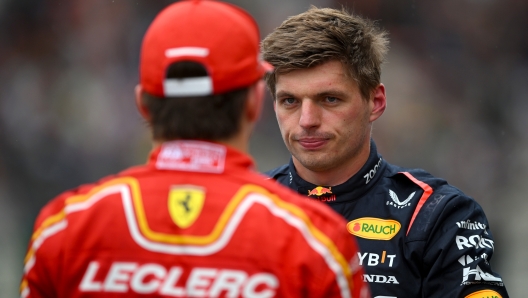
(255,101)
(139,103)
(378,102)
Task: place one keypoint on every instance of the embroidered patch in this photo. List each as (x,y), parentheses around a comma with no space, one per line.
(185,204)
(374,228)
(193,156)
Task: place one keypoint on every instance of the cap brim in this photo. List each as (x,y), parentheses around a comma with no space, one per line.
(266,67)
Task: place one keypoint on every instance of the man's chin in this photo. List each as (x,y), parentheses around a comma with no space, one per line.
(310,162)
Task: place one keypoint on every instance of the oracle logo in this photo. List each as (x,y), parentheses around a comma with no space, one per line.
(475,241)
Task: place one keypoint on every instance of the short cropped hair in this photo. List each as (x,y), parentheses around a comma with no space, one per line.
(211,118)
(323,34)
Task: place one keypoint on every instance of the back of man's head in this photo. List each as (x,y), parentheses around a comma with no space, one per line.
(322,34)
(197,60)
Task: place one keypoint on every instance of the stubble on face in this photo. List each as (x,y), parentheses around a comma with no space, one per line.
(344,147)
(323,136)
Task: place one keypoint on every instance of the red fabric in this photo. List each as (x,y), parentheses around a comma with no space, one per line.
(228,34)
(251,236)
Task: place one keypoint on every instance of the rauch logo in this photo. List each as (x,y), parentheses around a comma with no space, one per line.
(374,228)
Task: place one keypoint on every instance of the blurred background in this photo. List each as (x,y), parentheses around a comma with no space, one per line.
(456,79)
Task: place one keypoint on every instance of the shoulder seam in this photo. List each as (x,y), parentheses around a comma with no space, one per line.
(426,194)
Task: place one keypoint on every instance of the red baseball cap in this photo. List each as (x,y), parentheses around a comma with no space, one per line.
(220,36)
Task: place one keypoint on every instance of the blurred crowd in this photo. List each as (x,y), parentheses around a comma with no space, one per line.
(456,79)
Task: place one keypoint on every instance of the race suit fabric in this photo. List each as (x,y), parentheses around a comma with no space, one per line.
(195,221)
(418,235)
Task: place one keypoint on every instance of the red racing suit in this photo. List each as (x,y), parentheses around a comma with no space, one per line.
(195,221)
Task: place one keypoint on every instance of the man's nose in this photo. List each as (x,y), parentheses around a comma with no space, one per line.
(310,114)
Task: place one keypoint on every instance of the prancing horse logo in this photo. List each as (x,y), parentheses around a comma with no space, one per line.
(185,204)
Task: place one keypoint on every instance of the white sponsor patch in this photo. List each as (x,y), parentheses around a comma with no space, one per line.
(475,241)
(396,201)
(370,174)
(374,259)
(193,156)
(380,279)
(469,225)
(467,259)
(478,275)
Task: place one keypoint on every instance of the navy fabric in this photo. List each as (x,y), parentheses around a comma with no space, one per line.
(418,235)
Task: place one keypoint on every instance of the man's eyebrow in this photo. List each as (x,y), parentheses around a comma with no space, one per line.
(332,92)
(328,92)
(283,94)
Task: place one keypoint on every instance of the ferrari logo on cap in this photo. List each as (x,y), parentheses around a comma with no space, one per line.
(185,204)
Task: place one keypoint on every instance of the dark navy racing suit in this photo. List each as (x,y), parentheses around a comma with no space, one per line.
(418,235)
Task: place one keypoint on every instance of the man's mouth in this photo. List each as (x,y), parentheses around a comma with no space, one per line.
(312,143)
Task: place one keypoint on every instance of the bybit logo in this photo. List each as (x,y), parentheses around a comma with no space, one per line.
(374,259)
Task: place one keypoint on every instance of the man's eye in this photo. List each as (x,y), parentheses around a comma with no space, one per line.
(332,99)
(288,101)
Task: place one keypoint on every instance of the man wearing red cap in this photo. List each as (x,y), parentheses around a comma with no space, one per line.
(196,220)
